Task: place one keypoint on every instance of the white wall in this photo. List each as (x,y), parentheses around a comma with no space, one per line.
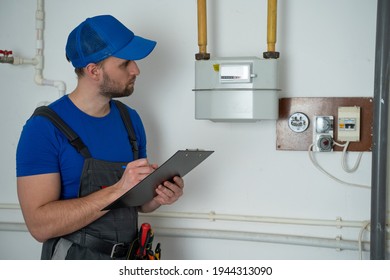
(327,49)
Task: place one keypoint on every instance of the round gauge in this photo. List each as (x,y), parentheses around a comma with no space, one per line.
(298,122)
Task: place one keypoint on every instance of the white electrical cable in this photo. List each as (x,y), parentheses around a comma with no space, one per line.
(364,227)
(344,163)
(315,163)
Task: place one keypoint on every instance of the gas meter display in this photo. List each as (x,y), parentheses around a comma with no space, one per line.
(235,73)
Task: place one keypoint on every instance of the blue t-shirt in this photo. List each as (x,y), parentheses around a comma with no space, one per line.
(43,149)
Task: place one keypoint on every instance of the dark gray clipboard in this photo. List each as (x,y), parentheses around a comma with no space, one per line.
(182,162)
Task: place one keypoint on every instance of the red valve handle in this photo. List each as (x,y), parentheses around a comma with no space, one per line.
(5,52)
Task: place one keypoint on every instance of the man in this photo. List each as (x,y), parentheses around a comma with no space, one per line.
(63,188)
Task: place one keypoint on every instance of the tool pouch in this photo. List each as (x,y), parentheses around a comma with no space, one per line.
(142,247)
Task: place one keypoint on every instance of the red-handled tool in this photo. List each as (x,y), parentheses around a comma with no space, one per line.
(141,247)
(144,236)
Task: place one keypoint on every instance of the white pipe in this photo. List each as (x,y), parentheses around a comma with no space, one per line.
(9,226)
(339,223)
(20,60)
(39,79)
(38,60)
(9,206)
(335,243)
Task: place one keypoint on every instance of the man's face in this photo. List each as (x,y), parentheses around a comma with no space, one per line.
(119,77)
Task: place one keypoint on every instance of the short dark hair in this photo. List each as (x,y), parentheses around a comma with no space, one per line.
(79,72)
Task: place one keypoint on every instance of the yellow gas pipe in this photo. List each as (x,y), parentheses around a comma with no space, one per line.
(271,30)
(202,31)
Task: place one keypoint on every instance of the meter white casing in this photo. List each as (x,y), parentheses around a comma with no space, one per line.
(236,89)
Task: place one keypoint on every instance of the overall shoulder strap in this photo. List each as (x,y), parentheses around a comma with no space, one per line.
(129,127)
(73,138)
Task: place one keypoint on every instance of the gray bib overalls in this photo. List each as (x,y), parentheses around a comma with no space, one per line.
(110,236)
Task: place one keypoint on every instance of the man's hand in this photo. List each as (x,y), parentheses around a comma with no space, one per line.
(134,173)
(169,192)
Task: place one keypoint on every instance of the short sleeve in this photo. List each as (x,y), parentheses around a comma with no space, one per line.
(37,150)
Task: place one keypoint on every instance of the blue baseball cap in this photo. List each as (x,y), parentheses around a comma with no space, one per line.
(102,36)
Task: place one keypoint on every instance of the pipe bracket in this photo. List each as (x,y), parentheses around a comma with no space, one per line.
(339,220)
(274,55)
(338,238)
(212,216)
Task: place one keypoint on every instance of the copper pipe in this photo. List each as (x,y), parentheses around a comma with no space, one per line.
(202,31)
(271,30)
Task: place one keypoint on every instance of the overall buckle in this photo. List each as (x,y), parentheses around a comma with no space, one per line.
(114,248)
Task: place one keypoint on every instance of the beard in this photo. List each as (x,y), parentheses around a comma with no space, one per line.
(112,89)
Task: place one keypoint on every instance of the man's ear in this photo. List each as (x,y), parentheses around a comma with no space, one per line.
(93,70)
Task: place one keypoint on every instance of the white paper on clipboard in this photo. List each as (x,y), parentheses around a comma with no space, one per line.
(182,162)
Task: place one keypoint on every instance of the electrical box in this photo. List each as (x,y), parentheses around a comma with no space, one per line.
(296,122)
(236,89)
(348,128)
(323,134)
